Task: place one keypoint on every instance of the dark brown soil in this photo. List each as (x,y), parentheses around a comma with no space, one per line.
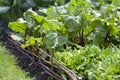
(24,62)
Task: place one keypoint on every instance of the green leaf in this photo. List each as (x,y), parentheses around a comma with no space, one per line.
(51,13)
(29,15)
(62,40)
(18,26)
(72,23)
(49,25)
(38,18)
(99,33)
(114,30)
(51,40)
(73,2)
(39,40)
(31,41)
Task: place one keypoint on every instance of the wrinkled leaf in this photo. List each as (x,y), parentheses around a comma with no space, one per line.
(17,26)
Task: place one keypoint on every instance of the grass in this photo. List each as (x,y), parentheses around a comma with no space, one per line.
(8,68)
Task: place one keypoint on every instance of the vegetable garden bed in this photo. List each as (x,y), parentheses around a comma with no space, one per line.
(74,41)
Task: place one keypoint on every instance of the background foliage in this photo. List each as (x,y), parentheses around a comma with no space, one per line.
(13,9)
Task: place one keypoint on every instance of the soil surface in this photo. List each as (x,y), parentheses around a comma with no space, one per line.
(24,61)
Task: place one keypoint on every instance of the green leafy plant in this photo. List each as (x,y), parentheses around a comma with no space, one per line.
(75,23)
(92,63)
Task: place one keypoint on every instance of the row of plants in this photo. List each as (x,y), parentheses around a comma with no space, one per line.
(80,24)
(69,32)
(92,63)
